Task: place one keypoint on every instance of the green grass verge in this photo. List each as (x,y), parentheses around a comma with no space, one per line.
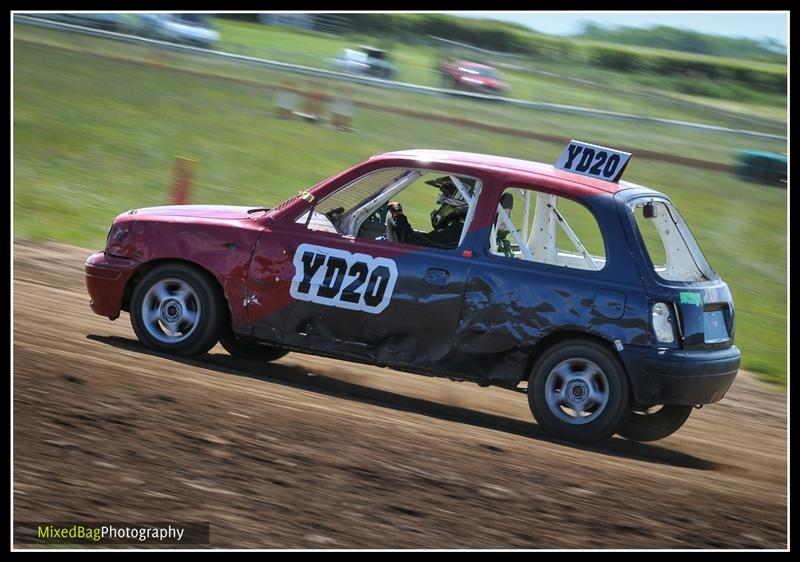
(94,137)
(628,135)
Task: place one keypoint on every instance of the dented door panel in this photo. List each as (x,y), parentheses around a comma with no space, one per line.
(510,305)
(392,304)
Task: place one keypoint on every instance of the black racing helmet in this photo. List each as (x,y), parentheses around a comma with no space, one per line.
(452,204)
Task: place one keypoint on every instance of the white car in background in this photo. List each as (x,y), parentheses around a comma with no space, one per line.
(192,29)
(364,60)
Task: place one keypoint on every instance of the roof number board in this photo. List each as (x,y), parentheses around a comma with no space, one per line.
(594,161)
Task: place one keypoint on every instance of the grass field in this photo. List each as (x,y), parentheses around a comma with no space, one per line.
(94,137)
(417,64)
(628,135)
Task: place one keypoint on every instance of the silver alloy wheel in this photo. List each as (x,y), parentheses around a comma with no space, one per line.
(577,391)
(171,310)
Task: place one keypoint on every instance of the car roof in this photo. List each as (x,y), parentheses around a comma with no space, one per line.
(516,170)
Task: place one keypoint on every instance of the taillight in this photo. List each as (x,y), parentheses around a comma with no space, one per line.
(663,322)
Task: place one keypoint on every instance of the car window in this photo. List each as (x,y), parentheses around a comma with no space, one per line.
(541,227)
(375,54)
(487,73)
(669,242)
(400,205)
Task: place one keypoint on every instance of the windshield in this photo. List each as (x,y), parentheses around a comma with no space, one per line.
(669,243)
(375,54)
(488,73)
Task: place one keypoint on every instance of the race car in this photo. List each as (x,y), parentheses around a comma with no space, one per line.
(584,291)
(474,77)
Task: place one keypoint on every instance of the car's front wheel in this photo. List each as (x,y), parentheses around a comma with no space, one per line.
(177,309)
(578,391)
(655,423)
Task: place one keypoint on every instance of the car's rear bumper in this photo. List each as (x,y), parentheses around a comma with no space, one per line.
(106,279)
(680,377)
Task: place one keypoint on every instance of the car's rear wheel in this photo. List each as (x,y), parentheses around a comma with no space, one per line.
(578,391)
(250,350)
(655,423)
(177,309)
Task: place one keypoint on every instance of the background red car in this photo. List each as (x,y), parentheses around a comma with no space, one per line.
(463,75)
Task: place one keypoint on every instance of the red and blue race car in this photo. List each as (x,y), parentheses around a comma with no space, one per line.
(563,281)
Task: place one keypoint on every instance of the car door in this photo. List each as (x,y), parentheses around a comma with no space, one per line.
(383,302)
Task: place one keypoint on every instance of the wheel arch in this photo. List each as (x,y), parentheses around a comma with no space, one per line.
(146,267)
(558,336)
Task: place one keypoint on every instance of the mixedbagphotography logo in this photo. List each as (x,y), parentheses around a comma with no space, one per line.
(105,533)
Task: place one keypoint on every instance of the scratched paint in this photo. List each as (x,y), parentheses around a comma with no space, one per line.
(471,315)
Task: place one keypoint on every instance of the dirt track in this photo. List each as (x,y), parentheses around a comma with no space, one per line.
(314,453)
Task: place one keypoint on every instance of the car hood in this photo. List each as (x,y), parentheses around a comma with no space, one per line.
(229,212)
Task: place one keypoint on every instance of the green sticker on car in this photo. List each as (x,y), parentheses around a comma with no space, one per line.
(691,298)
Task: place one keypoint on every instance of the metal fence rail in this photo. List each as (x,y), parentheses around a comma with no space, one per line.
(429,90)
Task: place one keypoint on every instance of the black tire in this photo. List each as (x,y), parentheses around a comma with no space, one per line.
(205,301)
(603,394)
(643,426)
(250,350)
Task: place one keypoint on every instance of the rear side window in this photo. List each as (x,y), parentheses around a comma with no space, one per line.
(669,242)
(540,227)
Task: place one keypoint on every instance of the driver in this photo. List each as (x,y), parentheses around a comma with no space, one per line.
(447,220)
